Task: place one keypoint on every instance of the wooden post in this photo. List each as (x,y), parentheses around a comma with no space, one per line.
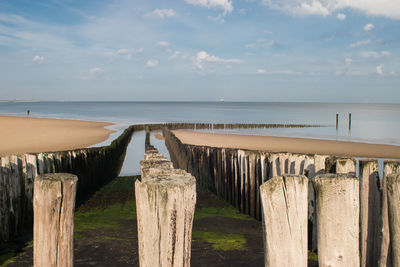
(284,209)
(393,199)
(337,205)
(385,259)
(165,209)
(337,121)
(369,212)
(53,226)
(349,122)
(346,166)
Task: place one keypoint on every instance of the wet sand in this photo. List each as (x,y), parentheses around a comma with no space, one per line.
(289,144)
(20,135)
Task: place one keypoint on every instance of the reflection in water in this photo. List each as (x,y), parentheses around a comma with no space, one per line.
(135,152)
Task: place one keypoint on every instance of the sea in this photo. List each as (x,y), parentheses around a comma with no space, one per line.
(370,123)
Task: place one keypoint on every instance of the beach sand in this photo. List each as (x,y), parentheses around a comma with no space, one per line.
(289,144)
(20,135)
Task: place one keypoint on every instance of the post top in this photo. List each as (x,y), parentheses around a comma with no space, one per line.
(335,176)
(57,177)
(169,179)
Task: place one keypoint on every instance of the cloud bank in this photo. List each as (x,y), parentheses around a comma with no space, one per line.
(385,8)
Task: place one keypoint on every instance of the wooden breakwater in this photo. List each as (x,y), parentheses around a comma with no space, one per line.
(94,167)
(236,176)
(217,126)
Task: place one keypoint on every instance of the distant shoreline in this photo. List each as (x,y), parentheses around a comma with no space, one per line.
(19,135)
(289,144)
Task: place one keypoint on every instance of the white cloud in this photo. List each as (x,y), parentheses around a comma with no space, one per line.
(284,72)
(379,69)
(161,13)
(386,8)
(373,54)
(225,5)
(368,27)
(139,50)
(125,53)
(163,44)
(315,8)
(348,61)
(260,71)
(38,59)
(174,55)
(94,74)
(203,57)
(341,16)
(152,63)
(360,43)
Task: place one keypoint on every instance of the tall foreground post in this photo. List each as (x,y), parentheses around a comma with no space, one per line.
(53,220)
(165,209)
(369,212)
(393,200)
(284,208)
(337,202)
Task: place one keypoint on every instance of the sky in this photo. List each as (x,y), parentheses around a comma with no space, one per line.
(201,50)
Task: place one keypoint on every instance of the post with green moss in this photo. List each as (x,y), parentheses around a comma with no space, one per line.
(337,206)
(393,200)
(53,220)
(284,209)
(165,209)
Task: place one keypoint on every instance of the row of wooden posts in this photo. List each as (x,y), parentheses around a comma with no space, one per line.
(236,176)
(165,203)
(166,197)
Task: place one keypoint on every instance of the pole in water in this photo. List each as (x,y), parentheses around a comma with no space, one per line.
(337,121)
(349,122)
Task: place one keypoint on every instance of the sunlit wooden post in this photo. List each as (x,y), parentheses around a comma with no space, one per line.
(337,202)
(53,227)
(284,209)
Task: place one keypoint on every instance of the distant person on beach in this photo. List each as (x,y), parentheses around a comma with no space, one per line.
(28,111)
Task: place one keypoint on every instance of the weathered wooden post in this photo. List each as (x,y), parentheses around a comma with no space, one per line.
(53,222)
(393,199)
(337,203)
(337,121)
(385,259)
(349,122)
(284,209)
(346,166)
(165,209)
(369,212)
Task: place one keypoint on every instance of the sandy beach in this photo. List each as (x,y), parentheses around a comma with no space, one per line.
(20,135)
(289,144)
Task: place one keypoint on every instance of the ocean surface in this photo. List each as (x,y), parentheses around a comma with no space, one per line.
(371,123)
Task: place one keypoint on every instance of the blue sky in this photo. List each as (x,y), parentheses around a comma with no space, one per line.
(239,50)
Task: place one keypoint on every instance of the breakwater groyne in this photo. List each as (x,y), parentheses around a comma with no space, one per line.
(218,126)
(237,174)
(94,167)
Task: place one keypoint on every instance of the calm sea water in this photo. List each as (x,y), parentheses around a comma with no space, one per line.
(372,123)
